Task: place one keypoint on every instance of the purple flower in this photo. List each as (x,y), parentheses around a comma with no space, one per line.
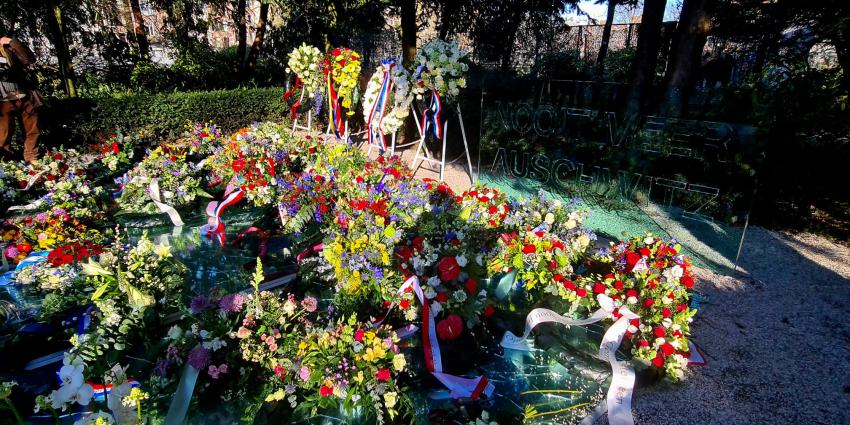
(231,303)
(161,368)
(199,357)
(200,303)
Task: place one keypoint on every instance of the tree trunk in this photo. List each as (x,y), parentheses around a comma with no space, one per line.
(448,11)
(139,29)
(761,58)
(684,61)
(242,30)
(646,56)
(408,55)
(606,38)
(842,50)
(408,31)
(257,45)
(57,36)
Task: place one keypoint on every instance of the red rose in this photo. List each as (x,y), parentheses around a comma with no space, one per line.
(24,247)
(680,308)
(405,253)
(204,134)
(647,303)
(687,281)
(667,349)
(529,249)
(643,343)
(488,311)
(665,312)
(660,332)
(358,335)
(335,52)
(449,269)
(471,285)
(581,292)
(418,243)
(238,165)
(618,285)
(450,328)
(632,258)
(558,277)
(493,209)
(658,361)
(405,304)
(645,252)
(598,288)
(569,285)
(326,391)
(115,148)
(634,322)
(442,297)
(22,183)
(383,375)
(58,157)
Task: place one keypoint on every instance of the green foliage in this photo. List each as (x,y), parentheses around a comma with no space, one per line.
(81,120)
(618,65)
(563,66)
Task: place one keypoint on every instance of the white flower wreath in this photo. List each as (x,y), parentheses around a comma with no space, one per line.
(441,68)
(304,61)
(398,103)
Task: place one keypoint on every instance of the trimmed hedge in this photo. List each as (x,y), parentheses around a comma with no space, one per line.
(80,120)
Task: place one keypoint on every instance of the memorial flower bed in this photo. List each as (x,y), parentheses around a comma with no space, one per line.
(397,277)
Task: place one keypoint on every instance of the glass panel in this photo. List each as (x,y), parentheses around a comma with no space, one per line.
(689,180)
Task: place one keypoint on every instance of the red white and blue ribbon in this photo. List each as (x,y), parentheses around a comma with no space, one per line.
(459,387)
(376,116)
(121,182)
(215,225)
(102,391)
(431,117)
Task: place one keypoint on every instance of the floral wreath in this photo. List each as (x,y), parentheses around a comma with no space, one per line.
(399,99)
(440,68)
(304,62)
(344,66)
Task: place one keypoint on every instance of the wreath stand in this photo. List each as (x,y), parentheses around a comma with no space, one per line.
(442,161)
(295,125)
(344,135)
(376,135)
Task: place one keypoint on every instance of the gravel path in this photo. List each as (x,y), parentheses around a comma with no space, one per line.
(776,336)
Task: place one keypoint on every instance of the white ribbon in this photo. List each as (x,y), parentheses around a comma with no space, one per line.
(153,188)
(619,399)
(32,206)
(32,179)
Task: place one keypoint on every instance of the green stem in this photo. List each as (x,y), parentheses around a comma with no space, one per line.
(14,411)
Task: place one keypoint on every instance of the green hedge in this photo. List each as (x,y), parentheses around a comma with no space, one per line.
(80,120)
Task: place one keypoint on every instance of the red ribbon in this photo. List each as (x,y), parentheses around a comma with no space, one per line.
(316,248)
(293,109)
(262,235)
